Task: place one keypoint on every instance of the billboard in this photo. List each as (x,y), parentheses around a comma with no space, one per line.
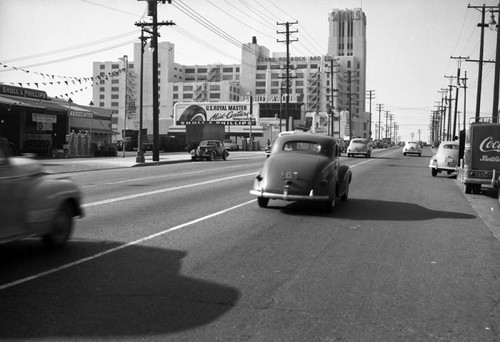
(226,113)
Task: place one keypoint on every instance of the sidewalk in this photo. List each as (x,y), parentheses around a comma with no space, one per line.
(55,166)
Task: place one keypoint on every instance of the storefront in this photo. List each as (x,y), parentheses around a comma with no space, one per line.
(34,123)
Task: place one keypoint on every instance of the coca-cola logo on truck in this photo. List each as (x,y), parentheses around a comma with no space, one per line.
(490,145)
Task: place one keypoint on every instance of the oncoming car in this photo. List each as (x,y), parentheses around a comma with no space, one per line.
(446,158)
(359,146)
(303,167)
(210,150)
(32,204)
(412,147)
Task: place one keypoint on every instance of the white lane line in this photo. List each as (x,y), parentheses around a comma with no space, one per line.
(371,159)
(155,192)
(112,250)
(158,177)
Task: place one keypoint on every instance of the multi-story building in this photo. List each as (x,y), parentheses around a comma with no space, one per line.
(328,87)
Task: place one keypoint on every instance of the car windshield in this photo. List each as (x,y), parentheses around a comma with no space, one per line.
(302,146)
(207,143)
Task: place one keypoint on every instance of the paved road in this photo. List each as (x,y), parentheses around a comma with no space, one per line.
(182,252)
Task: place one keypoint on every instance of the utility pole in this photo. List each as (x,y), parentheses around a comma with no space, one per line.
(125,109)
(481,60)
(331,96)
(153,12)
(443,112)
(386,125)
(465,97)
(289,120)
(371,96)
(450,99)
(455,122)
(379,113)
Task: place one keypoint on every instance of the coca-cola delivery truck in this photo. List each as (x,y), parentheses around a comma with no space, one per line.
(481,163)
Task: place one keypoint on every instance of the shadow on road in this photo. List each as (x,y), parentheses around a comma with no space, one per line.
(134,292)
(367,209)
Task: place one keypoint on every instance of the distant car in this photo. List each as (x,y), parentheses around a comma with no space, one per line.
(230,145)
(303,167)
(358,147)
(446,158)
(31,204)
(412,147)
(210,150)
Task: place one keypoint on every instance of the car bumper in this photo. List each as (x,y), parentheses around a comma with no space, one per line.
(288,197)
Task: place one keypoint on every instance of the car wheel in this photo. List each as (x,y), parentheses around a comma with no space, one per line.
(404,154)
(346,193)
(211,157)
(476,189)
(468,188)
(224,155)
(434,172)
(62,226)
(262,201)
(420,154)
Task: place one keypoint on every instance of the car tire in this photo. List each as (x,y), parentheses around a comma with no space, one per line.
(468,188)
(346,193)
(62,227)
(434,172)
(404,154)
(476,189)
(211,157)
(224,155)
(262,201)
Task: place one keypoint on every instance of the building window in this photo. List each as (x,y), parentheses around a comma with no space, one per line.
(115,66)
(176,88)
(260,76)
(115,81)
(101,89)
(261,67)
(227,69)
(115,104)
(115,89)
(115,96)
(188,96)
(202,70)
(260,84)
(187,88)
(101,97)
(214,87)
(215,96)
(189,71)
(227,77)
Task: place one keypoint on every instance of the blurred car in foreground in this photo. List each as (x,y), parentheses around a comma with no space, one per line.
(445,159)
(230,145)
(359,146)
(210,150)
(412,147)
(303,167)
(31,204)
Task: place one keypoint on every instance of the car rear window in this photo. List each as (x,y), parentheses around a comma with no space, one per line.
(302,146)
(412,144)
(450,147)
(207,143)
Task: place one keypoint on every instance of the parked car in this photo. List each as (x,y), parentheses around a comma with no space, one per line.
(31,204)
(445,159)
(230,145)
(412,147)
(303,167)
(210,150)
(359,146)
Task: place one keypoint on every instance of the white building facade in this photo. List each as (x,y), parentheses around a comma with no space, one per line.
(314,90)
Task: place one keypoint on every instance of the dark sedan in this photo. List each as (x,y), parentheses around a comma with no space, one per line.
(303,167)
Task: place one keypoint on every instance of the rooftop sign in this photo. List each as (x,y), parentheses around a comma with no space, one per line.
(22,92)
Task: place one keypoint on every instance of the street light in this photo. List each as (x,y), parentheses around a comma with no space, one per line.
(124,135)
(250,117)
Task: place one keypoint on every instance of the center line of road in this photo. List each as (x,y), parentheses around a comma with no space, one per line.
(160,191)
(112,250)
(371,159)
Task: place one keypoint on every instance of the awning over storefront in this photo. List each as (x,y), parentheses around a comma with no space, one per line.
(31,103)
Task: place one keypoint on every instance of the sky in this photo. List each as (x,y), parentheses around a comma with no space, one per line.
(409,44)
